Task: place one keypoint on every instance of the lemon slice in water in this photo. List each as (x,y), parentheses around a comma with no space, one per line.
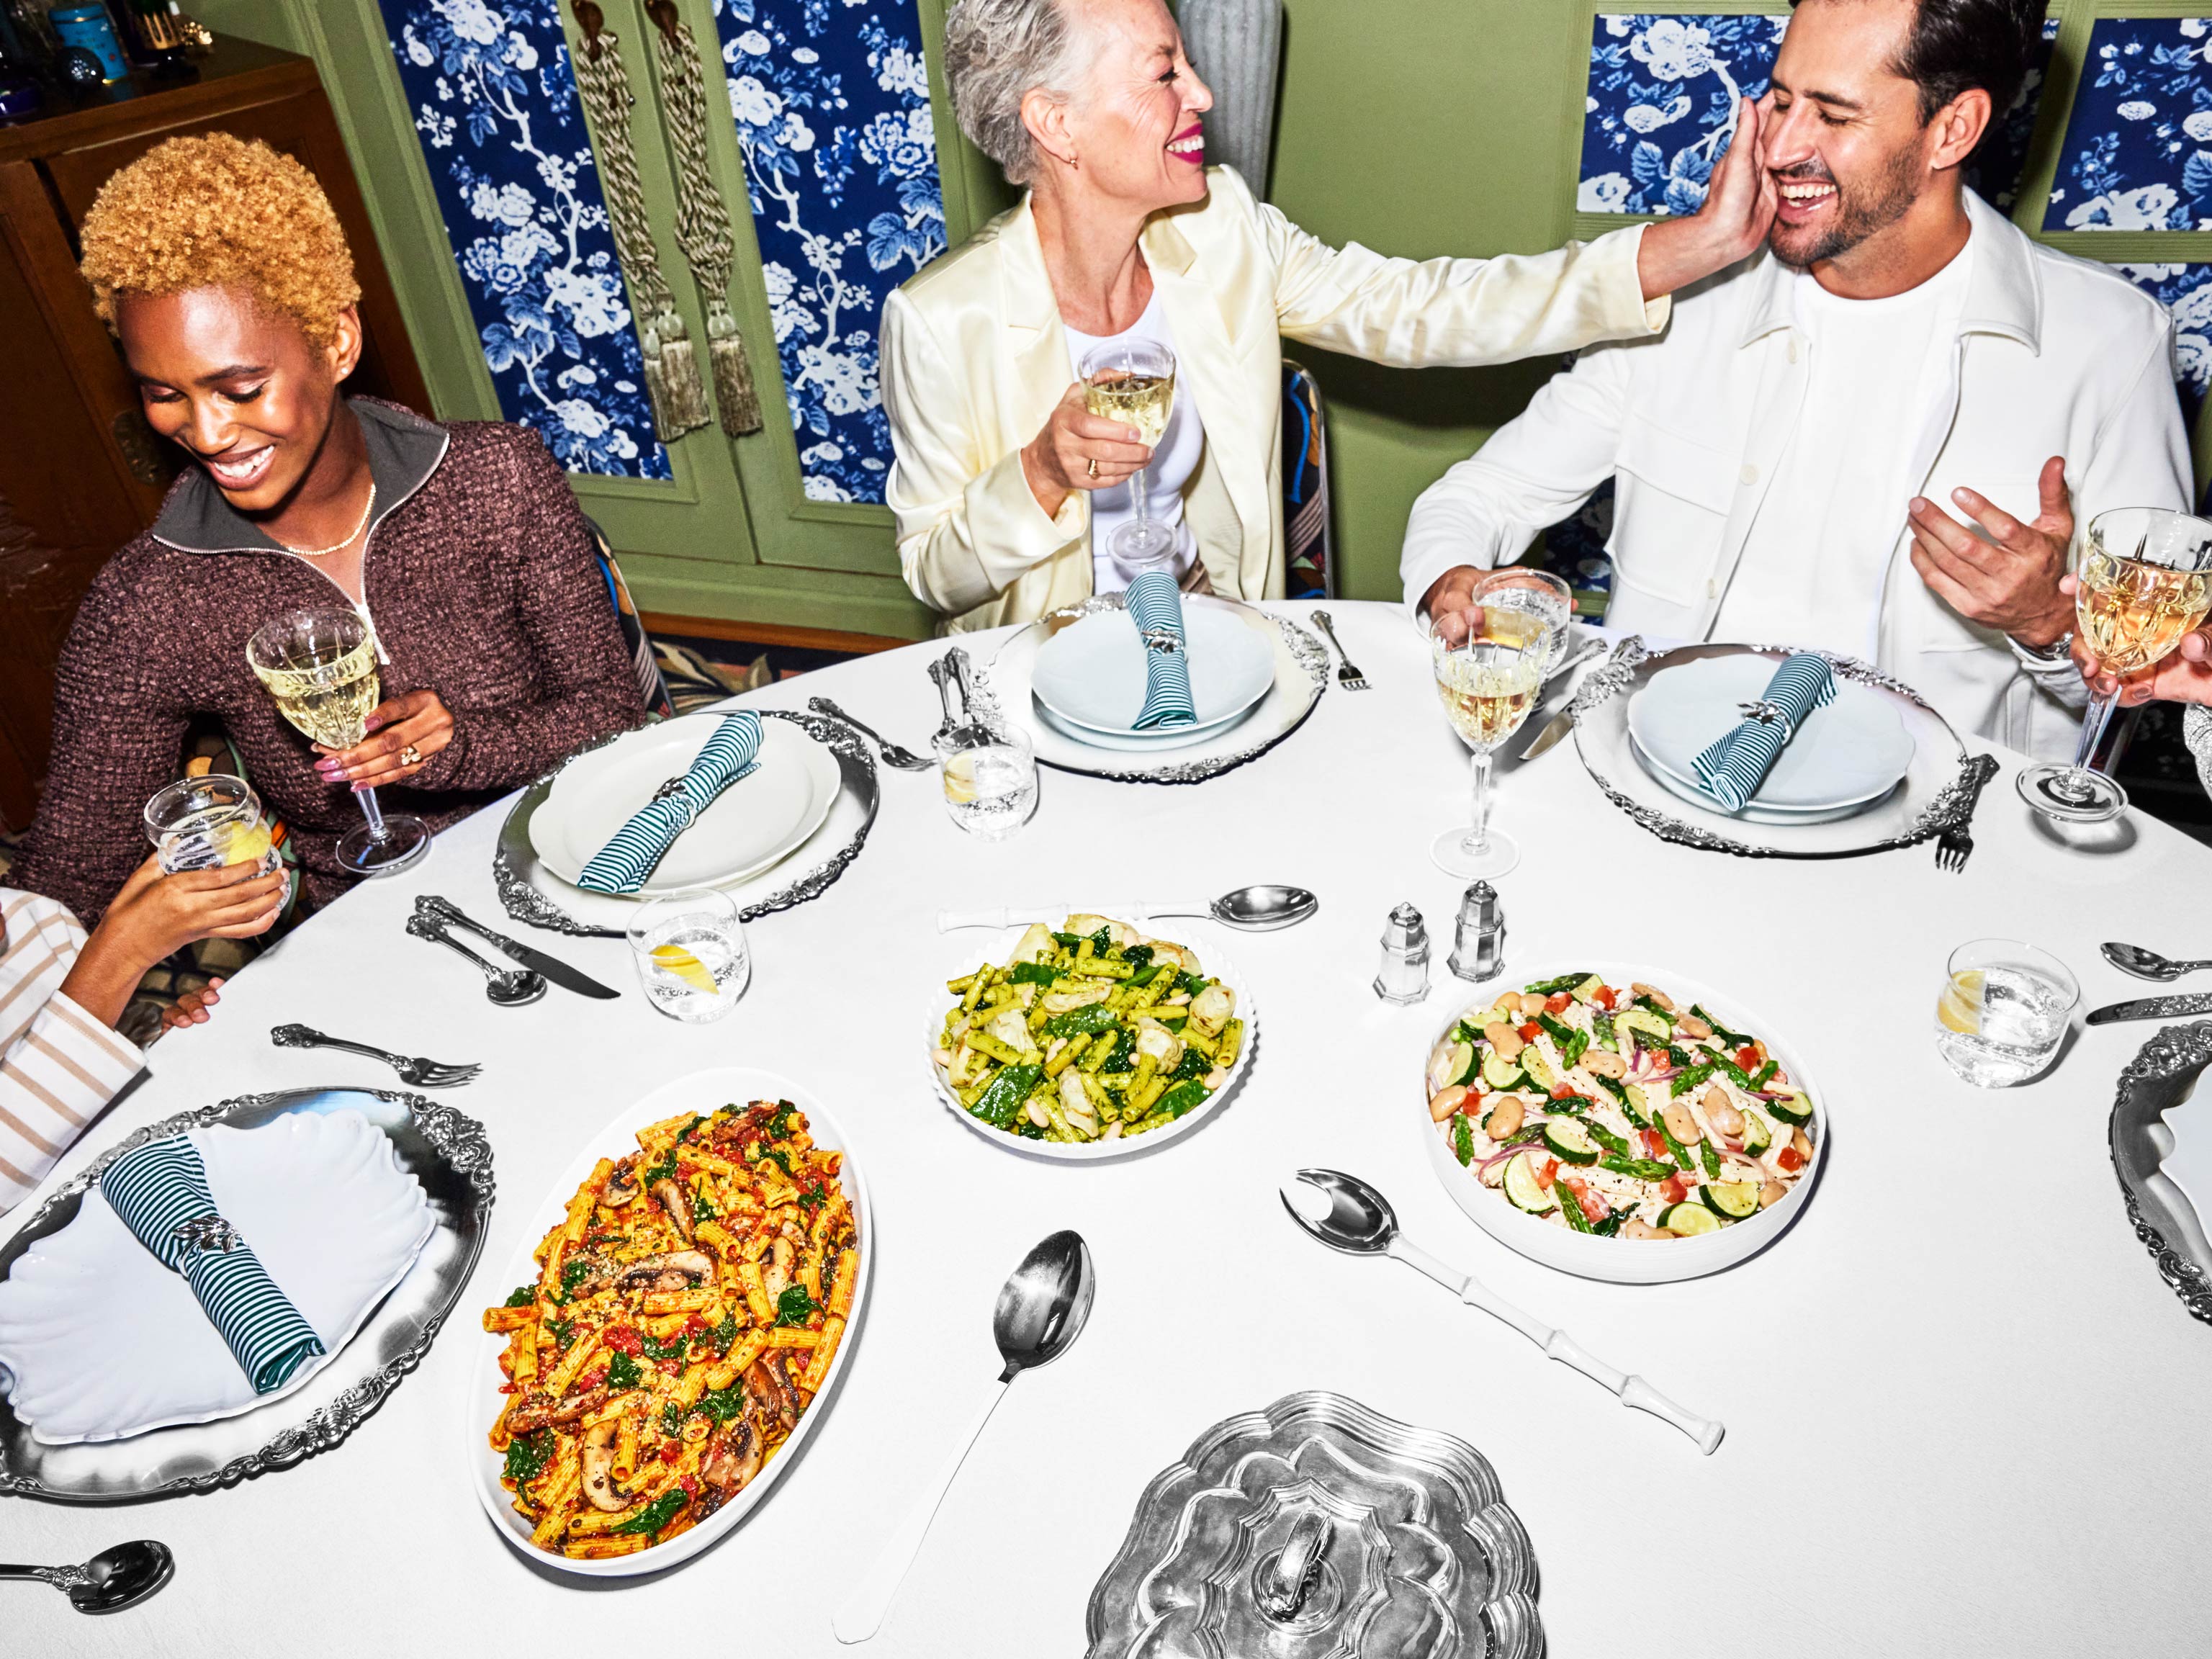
(960,780)
(685,966)
(1960,1008)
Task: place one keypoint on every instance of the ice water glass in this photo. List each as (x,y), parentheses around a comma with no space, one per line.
(206,822)
(990,780)
(2003,1011)
(691,956)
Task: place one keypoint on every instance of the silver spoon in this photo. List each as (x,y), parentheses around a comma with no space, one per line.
(2147,965)
(113,1579)
(1359,1221)
(507,987)
(1041,1311)
(1257,909)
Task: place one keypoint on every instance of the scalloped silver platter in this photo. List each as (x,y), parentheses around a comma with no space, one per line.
(531,893)
(444,1150)
(1424,1559)
(1302,674)
(1934,795)
(2165,1078)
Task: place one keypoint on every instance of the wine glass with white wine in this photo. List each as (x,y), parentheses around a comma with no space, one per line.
(321,666)
(2145,580)
(1133,380)
(1488,687)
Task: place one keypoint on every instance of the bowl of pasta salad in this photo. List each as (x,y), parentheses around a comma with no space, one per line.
(679,1318)
(1621,1122)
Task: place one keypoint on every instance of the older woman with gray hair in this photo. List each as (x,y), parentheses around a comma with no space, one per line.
(1006,487)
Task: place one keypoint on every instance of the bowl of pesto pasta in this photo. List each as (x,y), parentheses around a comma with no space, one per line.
(1086,1039)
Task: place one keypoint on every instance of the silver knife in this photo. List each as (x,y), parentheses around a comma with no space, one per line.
(2196,1002)
(1556,728)
(559,972)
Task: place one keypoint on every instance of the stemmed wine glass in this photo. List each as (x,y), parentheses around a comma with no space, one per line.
(321,666)
(1517,602)
(2145,580)
(1488,687)
(1133,380)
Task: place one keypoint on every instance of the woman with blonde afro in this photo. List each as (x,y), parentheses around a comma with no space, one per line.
(227,280)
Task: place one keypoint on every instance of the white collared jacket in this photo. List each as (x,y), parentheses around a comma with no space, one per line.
(2053,355)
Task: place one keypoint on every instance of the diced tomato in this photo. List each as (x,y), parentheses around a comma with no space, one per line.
(1563,1092)
(622,1338)
(694,1324)
(690,1486)
(670,1450)
(1546,1174)
(1747,1057)
(1603,996)
(1528,1032)
(510,1387)
(1472,1106)
(1673,1190)
(1788,1158)
(1594,1208)
(1654,1145)
(1558,1003)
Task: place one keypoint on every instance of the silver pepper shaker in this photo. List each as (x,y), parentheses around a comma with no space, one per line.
(1404,977)
(1478,943)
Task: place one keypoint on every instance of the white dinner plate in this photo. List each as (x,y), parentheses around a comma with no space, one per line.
(1755,811)
(1847,755)
(703,1092)
(750,825)
(1091,675)
(102,1341)
(1170,737)
(1630,1260)
(1215,963)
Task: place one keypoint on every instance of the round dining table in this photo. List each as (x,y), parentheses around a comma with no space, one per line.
(1964,1414)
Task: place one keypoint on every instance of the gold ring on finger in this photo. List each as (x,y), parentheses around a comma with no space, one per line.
(1093,466)
(411,756)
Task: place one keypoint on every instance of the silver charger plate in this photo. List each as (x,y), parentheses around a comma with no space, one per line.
(2162,1076)
(1937,793)
(532,894)
(444,1150)
(1299,682)
(1423,1559)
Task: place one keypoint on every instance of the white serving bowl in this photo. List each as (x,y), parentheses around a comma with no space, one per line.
(1629,1261)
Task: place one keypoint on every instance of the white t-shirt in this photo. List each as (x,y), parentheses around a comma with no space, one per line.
(1815,566)
(1173,461)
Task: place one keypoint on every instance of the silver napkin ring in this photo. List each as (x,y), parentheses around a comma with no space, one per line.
(676,790)
(1768,713)
(1163,639)
(204,1232)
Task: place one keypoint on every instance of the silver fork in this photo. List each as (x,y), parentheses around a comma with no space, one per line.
(1347,676)
(1956,845)
(905,759)
(413,1070)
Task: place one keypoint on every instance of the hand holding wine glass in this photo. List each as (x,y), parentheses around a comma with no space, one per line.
(2184,675)
(414,721)
(1133,381)
(1078,450)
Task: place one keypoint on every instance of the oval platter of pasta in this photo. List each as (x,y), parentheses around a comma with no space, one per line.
(677,1328)
(1622,1123)
(1089,1040)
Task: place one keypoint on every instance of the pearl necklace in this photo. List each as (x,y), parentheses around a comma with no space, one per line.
(318,552)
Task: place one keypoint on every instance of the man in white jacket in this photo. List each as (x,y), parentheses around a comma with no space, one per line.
(1785,453)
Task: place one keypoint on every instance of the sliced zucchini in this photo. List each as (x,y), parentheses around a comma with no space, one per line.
(1521,1188)
(1758,1134)
(1540,1070)
(1689,1218)
(1734,1200)
(1795,1110)
(1454,1063)
(1501,1074)
(1644,1020)
(1571,1140)
(1590,987)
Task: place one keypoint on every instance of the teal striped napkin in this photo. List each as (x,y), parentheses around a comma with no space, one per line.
(1154,605)
(1732,766)
(624,864)
(161,1192)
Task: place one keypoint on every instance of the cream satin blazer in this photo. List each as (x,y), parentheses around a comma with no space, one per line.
(974,358)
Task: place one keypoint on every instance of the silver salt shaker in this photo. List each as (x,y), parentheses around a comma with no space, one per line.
(1404,977)
(1478,942)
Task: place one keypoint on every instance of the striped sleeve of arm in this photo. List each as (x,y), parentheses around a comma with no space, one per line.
(55,1078)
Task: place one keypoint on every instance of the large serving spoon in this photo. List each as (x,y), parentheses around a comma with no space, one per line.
(1041,1311)
(1352,1217)
(2147,965)
(506,987)
(1256,910)
(113,1580)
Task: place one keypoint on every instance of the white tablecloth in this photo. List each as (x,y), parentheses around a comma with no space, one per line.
(1965,1416)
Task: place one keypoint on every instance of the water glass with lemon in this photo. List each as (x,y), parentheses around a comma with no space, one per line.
(2003,1011)
(206,822)
(691,956)
(990,779)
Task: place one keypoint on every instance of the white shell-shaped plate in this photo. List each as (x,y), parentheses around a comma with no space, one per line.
(103,1341)
(1630,1260)
(751,824)
(702,1092)
(1211,959)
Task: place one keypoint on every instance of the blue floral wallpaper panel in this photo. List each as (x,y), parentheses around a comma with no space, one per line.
(2186,291)
(1660,110)
(2137,154)
(497,116)
(831,105)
